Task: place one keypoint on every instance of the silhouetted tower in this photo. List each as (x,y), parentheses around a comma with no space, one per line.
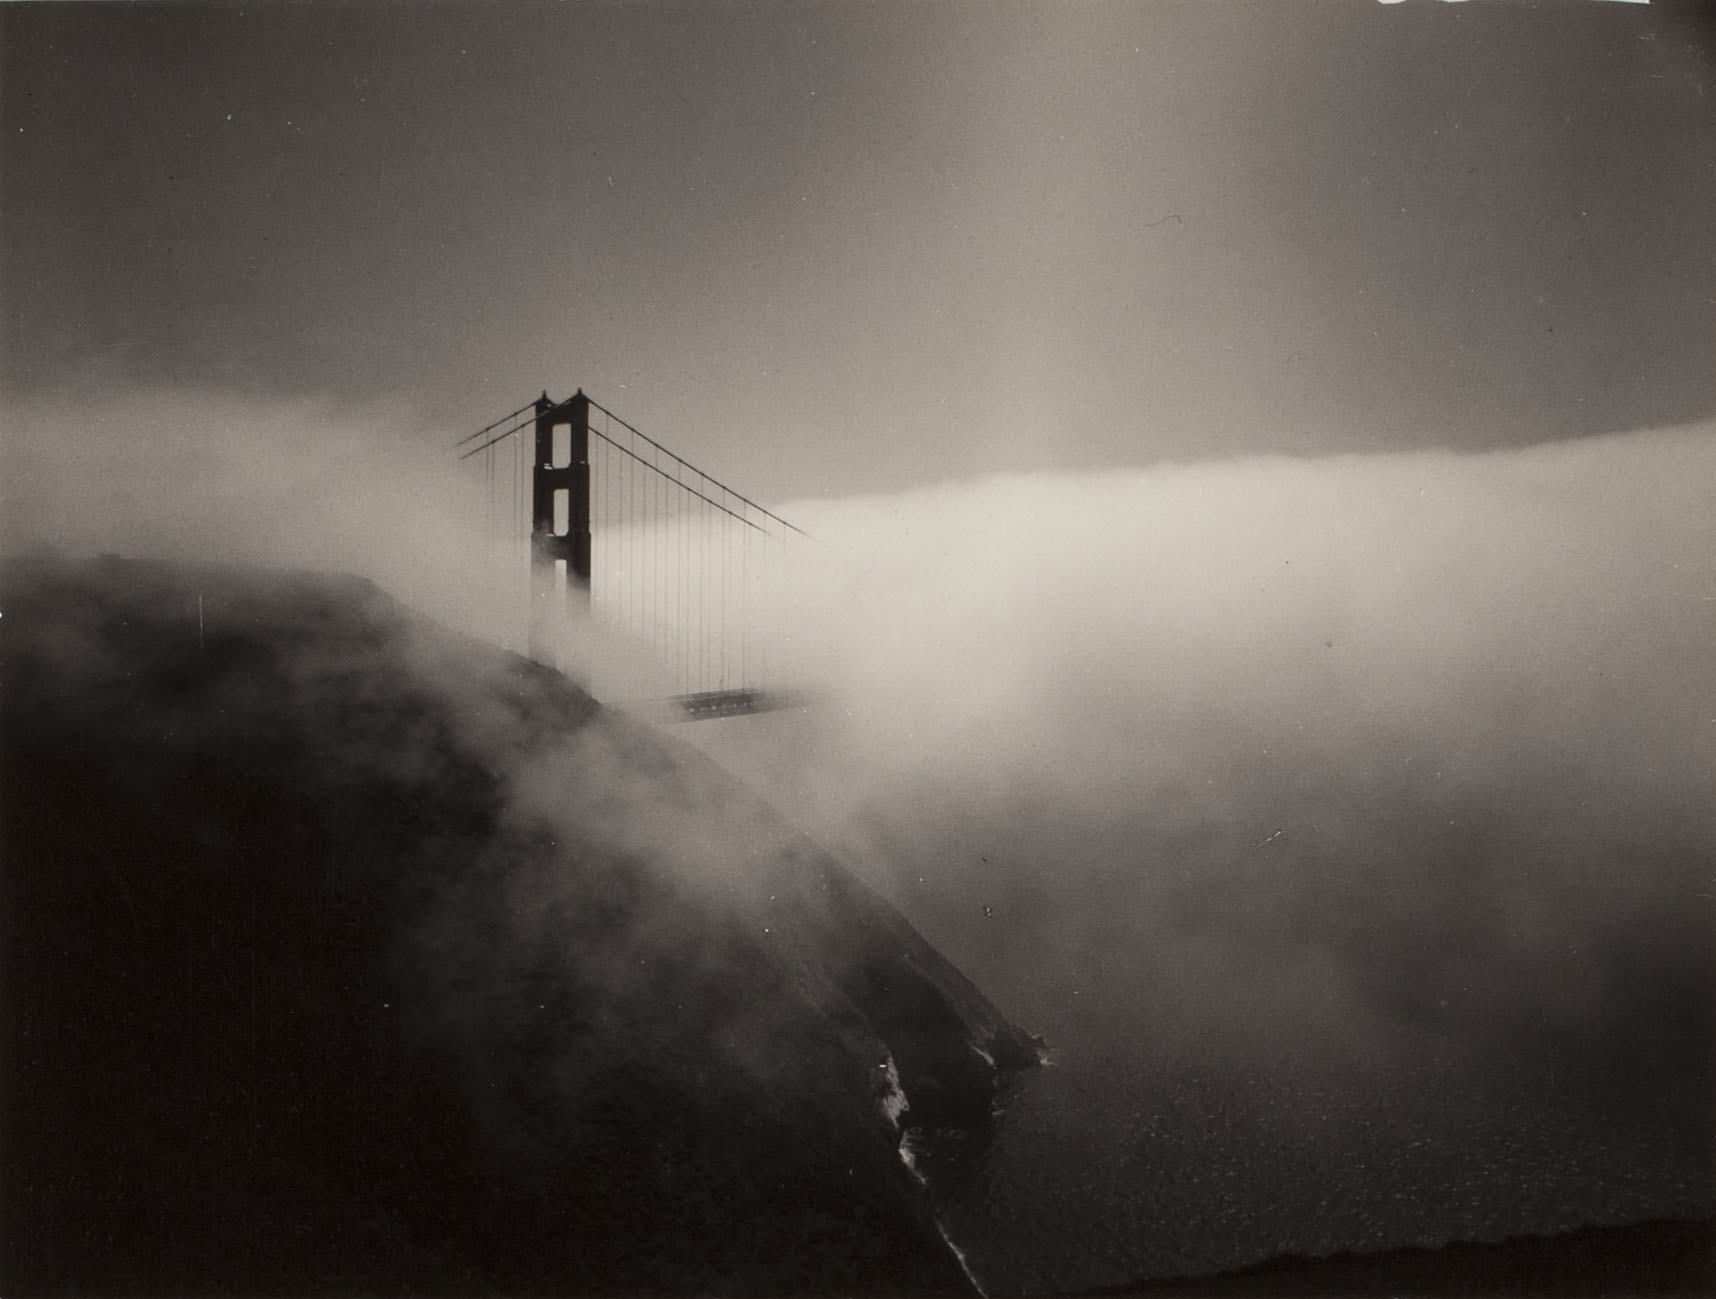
(559,520)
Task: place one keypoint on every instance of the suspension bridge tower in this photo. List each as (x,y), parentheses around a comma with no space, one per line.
(628,536)
(560,551)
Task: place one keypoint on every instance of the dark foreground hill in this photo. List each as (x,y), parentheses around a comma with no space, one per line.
(341,954)
(1651,1258)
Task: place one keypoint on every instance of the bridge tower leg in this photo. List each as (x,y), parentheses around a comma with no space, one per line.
(559,520)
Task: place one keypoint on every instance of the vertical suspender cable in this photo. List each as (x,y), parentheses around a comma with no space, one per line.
(649,565)
(631,536)
(637,548)
(657,580)
(703,612)
(726,545)
(682,645)
(514,531)
(660,564)
(744,601)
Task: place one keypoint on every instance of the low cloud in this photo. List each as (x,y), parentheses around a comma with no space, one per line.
(1306,758)
(1407,753)
(209,477)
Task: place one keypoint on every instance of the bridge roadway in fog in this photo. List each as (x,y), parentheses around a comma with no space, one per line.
(648,546)
(711,704)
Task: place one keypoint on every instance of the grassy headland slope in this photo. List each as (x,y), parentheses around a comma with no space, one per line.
(341,953)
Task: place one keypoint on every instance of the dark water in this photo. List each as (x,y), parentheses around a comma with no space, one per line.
(1112,1165)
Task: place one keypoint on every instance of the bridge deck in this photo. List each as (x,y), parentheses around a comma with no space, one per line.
(710,704)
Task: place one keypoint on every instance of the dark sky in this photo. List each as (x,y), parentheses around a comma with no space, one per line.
(834,248)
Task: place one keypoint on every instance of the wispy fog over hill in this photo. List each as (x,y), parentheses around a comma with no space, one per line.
(344,953)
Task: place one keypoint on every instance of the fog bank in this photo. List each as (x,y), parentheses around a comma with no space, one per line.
(1311,808)
(1403,755)
(207,476)
(1323,757)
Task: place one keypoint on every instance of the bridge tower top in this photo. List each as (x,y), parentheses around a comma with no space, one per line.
(560,552)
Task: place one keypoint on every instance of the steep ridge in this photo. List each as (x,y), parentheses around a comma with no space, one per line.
(343,953)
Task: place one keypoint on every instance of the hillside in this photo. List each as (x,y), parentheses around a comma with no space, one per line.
(344,954)
(1652,1258)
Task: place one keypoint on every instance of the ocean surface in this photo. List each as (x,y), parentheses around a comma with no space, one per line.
(1109,1166)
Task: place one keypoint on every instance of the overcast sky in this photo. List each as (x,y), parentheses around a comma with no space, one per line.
(838,248)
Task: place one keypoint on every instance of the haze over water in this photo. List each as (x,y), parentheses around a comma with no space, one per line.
(1341,823)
